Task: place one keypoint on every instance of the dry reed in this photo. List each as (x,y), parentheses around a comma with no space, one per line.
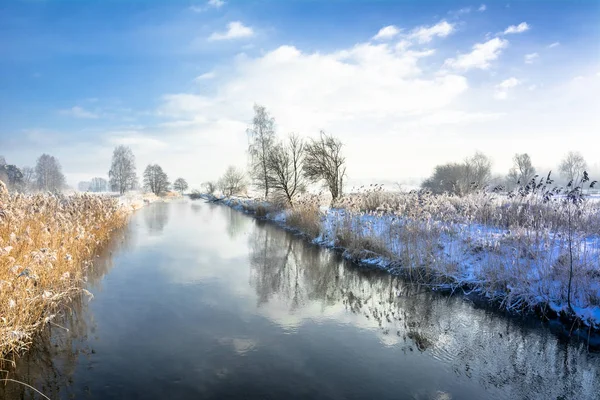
(46,243)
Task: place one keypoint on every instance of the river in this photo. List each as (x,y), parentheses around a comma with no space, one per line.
(195,300)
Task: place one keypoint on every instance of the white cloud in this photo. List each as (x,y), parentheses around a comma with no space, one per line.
(530,58)
(501,95)
(424,34)
(555,44)
(387,32)
(482,8)
(205,76)
(209,4)
(79,112)
(235,30)
(509,83)
(480,57)
(361,93)
(461,11)
(522,27)
(216,3)
(503,88)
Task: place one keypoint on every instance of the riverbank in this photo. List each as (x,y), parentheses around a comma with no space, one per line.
(46,245)
(515,254)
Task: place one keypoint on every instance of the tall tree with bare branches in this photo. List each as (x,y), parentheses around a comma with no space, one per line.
(122,170)
(48,173)
(261,136)
(323,162)
(522,170)
(284,167)
(232,182)
(572,166)
(155,179)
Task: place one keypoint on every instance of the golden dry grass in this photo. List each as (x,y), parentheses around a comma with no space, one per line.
(46,243)
(306,215)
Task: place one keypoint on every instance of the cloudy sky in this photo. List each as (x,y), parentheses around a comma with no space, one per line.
(404,84)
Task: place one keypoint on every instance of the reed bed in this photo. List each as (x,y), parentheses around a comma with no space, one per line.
(515,248)
(46,244)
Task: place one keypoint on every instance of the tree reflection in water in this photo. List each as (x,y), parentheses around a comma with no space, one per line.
(156,217)
(513,354)
(50,364)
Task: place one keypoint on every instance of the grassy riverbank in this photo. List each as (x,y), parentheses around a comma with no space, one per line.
(46,244)
(516,251)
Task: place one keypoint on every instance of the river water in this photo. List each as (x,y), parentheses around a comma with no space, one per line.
(198,301)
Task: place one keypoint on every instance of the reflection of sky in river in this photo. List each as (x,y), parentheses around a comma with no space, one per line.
(291,283)
(203,301)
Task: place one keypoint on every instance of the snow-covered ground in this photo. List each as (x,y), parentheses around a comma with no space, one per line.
(519,268)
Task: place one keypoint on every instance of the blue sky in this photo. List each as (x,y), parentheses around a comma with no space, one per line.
(177,80)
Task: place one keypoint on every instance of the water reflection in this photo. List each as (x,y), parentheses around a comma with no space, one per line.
(218,305)
(237,223)
(156,217)
(291,277)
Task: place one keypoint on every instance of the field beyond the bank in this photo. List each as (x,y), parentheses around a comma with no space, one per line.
(46,243)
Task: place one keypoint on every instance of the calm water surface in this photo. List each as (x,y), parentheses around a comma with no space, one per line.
(197,301)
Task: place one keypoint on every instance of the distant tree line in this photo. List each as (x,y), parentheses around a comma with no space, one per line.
(47,176)
(475,173)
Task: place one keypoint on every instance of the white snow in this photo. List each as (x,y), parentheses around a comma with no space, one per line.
(519,268)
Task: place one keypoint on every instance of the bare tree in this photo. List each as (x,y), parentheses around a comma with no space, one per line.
(210,187)
(323,161)
(478,172)
(572,166)
(98,185)
(522,170)
(284,167)
(261,139)
(155,179)
(28,178)
(48,173)
(180,185)
(122,170)
(232,182)
(2,160)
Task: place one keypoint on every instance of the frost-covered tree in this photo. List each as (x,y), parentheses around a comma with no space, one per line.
(572,166)
(478,172)
(122,175)
(12,176)
(28,178)
(446,178)
(522,170)
(232,182)
(180,185)
(98,185)
(210,187)
(48,173)
(261,136)
(155,179)
(323,162)
(284,167)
